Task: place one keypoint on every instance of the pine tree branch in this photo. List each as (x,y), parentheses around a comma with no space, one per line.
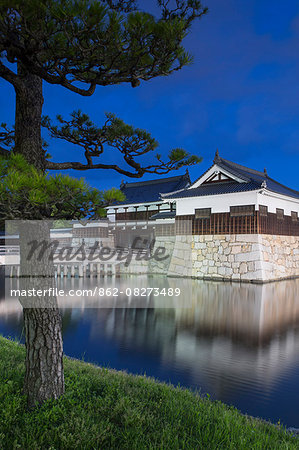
(10,76)
(131,142)
(79,166)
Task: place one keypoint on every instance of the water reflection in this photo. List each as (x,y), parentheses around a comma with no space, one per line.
(238,342)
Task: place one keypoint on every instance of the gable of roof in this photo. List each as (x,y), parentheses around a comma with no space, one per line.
(244,179)
(151,190)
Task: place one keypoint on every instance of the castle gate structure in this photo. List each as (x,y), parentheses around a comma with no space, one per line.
(241,224)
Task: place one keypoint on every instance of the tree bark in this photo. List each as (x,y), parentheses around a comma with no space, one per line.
(29,103)
(44,377)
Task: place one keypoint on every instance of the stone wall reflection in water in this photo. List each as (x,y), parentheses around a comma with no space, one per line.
(238,342)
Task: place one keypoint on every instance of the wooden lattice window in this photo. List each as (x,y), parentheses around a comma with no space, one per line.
(203,213)
(279,213)
(244,210)
(294,216)
(263,210)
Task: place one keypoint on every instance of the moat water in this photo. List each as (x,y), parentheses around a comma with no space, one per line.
(238,343)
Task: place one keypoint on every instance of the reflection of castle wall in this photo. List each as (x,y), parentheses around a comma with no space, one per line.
(249,312)
(224,335)
(222,365)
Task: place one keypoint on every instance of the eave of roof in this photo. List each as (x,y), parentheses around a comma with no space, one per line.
(163,215)
(147,192)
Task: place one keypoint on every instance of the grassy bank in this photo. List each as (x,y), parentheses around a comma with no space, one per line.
(107,409)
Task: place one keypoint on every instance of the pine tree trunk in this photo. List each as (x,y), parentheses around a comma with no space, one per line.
(29,103)
(44,378)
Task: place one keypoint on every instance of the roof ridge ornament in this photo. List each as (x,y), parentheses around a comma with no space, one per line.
(216,157)
(264,184)
(265,172)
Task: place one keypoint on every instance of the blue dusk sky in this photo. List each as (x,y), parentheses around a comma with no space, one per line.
(241,95)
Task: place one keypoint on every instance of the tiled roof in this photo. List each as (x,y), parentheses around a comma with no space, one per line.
(258,177)
(253,180)
(214,189)
(163,215)
(149,191)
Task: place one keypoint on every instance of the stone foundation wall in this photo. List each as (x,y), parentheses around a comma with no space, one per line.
(239,257)
(280,256)
(245,257)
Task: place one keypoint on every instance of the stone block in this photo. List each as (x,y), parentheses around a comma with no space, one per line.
(235,276)
(228,271)
(247,238)
(250,266)
(223,258)
(258,275)
(187,255)
(200,245)
(197,264)
(250,256)
(236,249)
(221,271)
(176,261)
(243,268)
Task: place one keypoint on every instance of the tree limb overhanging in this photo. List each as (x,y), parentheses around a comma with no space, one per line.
(129,141)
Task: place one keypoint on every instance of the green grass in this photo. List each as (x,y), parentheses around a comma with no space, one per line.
(104,409)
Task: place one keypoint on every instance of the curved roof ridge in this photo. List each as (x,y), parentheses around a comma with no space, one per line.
(246,169)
